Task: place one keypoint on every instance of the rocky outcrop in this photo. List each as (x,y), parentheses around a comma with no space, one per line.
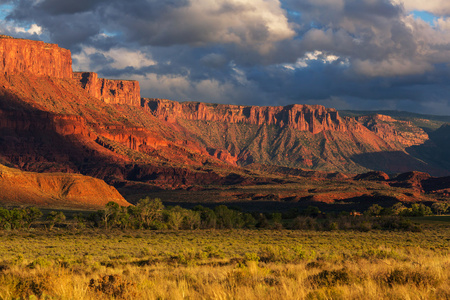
(109,90)
(372,176)
(411,180)
(34,57)
(312,118)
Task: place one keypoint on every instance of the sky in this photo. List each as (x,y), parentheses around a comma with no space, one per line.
(345,54)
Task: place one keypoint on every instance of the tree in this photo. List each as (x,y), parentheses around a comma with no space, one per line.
(311,211)
(174,217)
(110,213)
(374,210)
(147,211)
(55,217)
(249,220)
(191,219)
(439,207)
(208,218)
(397,208)
(226,218)
(417,210)
(31,215)
(16,218)
(123,218)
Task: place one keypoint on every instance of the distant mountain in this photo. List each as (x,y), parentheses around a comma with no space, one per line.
(426,122)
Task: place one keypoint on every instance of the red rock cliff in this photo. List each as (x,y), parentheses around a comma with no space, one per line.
(108,90)
(312,118)
(34,57)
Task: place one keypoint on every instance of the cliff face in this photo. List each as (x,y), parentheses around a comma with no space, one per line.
(108,90)
(312,118)
(18,56)
(34,57)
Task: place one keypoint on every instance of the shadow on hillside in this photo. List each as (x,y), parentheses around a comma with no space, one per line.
(435,151)
(29,139)
(399,162)
(360,203)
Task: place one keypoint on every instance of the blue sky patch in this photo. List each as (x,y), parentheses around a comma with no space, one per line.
(424,15)
(5,10)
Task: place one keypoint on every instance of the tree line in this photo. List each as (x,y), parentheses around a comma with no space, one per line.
(152,214)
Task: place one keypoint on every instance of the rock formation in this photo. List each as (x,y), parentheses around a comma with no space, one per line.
(312,118)
(34,57)
(19,56)
(109,90)
(53,120)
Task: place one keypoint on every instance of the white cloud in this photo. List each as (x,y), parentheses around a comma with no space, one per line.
(437,7)
(120,58)
(256,24)
(313,56)
(34,29)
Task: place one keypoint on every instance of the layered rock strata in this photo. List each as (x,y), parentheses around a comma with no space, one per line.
(312,118)
(19,56)
(34,57)
(109,90)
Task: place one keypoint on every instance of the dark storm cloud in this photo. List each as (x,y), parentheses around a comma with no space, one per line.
(344,53)
(57,7)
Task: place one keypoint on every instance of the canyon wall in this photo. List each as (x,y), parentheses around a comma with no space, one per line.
(312,118)
(19,56)
(34,57)
(109,90)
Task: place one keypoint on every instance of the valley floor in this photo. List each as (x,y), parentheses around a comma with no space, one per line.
(225,264)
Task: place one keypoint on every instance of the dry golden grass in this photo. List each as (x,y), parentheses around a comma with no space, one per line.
(238,264)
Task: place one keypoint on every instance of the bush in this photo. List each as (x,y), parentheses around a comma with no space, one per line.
(304,223)
(330,278)
(407,276)
(112,285)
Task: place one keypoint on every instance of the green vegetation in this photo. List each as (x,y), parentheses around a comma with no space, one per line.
(307,254)
(152,214)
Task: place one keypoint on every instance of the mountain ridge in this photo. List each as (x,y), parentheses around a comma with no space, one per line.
(79,123)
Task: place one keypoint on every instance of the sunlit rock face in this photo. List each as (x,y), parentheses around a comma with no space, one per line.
(109,90)
(34,57)
(312,118)
(19,56)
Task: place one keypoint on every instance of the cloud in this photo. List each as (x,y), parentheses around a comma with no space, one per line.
(32,30)
(437,7)
(57,7)
(391,67)
(92,59)
(255,24)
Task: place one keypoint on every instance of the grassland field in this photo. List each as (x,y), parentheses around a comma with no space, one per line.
(225,264)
